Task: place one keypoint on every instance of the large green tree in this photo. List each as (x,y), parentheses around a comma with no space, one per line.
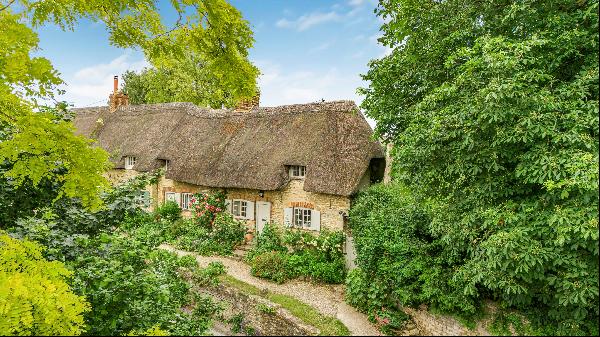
(37,144)
(492,108)
(190,80)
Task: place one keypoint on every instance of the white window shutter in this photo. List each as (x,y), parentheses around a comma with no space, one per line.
(288,214)
(228,205)
(250,210)
(315,223)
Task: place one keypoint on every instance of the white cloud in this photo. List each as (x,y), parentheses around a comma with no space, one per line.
(355,3)
(323,46)
(280,86)
(92,85)
(306,21)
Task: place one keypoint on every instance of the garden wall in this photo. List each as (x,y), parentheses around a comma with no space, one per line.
(430,324)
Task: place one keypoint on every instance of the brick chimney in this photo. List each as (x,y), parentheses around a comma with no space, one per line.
(246,105)
(117,98)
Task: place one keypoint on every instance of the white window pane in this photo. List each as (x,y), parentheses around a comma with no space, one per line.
(236,207)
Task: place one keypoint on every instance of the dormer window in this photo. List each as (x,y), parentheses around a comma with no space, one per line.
(167,162)
(297,172)
(129,162)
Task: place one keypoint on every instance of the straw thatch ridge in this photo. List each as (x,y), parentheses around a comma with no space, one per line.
(228,149)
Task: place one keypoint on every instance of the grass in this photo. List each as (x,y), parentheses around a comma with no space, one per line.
(328,325)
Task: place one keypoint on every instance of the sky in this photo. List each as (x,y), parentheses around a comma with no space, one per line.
(306,50)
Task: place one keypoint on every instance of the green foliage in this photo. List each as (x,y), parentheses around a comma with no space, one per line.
(211,231)
(141,287)
(493,112)
(221,239)
(390,322)
(237,323)
(63,226)
(298,253)
(208,275)
(265,309)
(153,331)
(169,211)
(271,266)
(504,322)
(188,80)
(34,295)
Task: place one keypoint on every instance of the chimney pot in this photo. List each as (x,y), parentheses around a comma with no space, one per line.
(117,99)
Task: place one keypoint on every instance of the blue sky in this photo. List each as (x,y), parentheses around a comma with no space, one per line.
(307,50)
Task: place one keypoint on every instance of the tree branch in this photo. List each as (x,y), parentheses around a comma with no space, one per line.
(7,5)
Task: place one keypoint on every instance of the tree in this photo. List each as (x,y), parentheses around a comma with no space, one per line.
(189,80)
(34,295)
(492,108)
(38,144)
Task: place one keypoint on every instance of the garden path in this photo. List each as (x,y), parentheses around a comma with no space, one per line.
(327,299)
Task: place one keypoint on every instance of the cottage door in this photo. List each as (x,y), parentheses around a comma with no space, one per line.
(263,215)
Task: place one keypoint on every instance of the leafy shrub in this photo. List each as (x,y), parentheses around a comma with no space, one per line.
(270,239)
(265,309)
(170,211)
(34,295)
(403,259)
(221,238)
(208,275)
(318,257)
(141,287)
(365,293)
(206,206)
(272,266)
(227,232)
(390,322)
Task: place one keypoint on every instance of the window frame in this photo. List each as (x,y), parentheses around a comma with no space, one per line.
(167,198)
(130,162)
(183,205)
(297,171)
(242,208)
(303,214)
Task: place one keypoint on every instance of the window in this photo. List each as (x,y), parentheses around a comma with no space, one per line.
(166,165)
(129,162)
(186,199)
(297,171)
(172,196)
(302,217)
(239,208)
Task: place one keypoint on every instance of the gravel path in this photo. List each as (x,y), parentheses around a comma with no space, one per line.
(328,299)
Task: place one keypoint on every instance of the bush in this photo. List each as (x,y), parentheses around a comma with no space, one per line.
(221,238)
(169,211)
(141,286)
(227,232)
(272,266)
(317,257)
(34,295)
(206,207)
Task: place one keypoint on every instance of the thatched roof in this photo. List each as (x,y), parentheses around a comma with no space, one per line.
(223,148)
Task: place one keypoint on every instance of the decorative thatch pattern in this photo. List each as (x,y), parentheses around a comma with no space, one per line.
(224,148)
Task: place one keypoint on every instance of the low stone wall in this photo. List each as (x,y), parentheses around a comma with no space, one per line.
(430,324)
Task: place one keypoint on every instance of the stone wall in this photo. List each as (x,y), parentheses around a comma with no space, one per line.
(430,324)
(330,206)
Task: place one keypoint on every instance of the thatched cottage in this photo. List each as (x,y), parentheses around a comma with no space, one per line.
(297,165)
